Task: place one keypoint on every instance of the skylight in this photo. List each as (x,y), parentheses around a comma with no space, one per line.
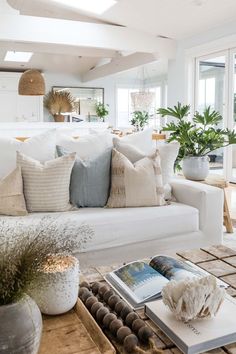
(94,6)
(22,57)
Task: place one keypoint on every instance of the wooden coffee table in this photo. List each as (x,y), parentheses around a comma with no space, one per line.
(217,260)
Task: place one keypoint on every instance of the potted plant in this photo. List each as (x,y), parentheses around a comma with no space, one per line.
(101,110)
(58,102)
(27,256)
(197,137)
(140,119)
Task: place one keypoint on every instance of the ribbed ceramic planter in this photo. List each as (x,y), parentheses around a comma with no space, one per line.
(58,287)
(20,327)
(196,168)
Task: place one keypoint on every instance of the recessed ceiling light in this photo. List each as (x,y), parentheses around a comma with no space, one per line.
(22,57)
(94,6)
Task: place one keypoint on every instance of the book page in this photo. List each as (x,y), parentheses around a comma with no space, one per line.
(141,280)
(174,269)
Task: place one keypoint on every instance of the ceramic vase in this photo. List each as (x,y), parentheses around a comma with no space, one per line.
(57,290)
(196,168)
(20,327)
(59,118)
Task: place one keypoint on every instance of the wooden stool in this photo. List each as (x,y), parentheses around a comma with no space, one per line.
(220,182)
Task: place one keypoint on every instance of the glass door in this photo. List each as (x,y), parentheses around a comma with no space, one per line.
(232,114)
(210,90)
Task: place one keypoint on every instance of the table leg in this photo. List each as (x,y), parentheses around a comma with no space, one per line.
(227,220)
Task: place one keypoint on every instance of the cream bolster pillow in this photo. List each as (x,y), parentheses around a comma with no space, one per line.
(41,147)
(138,184)
(46,185)
(12,201)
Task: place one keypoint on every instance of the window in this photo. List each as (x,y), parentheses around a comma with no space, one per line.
(125,109)
(206,93)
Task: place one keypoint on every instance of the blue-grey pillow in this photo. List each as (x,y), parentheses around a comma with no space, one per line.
(90,179)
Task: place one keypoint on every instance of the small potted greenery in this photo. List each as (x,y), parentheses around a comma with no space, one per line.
(197,137)
(36,269)
(58,102)
(102,110)
(140,119)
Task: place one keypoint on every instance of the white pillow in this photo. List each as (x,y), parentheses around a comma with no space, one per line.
(141,140)
(86,146)
(40,147)
(46,186)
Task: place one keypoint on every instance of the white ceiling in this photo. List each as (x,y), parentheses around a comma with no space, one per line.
(176,19)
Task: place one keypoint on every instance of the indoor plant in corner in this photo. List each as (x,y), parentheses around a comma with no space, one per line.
(58,102)
(197,137)
(33,262)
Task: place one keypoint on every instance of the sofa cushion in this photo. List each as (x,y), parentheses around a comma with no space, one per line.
(12,201)
(46,186)
(135,185)
(40,147)
(116,227)
(86,146)
(90,179)
(168,153)
(140,140)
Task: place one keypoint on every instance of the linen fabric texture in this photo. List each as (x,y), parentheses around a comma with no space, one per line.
(168,153)
(138,184)
(12,201)
(46,186)
(90,179)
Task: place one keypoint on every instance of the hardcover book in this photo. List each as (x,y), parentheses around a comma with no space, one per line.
(138,282)
(196,336)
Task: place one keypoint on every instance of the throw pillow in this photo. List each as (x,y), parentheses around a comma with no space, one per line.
(40,147)
(168,153)
(138,184)
(46,186)
(90,179)
(86,146)
(141,141)
(12,201)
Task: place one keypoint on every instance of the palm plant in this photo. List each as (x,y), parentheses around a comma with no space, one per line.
(198,137)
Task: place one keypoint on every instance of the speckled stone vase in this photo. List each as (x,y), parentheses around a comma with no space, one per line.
(20,327)
(58,290)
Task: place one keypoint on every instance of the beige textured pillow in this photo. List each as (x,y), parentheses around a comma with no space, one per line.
(138,184)
(46,185)
(12,201)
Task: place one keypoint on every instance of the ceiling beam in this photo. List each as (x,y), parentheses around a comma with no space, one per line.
(119,64)
(74,33)
(58,49)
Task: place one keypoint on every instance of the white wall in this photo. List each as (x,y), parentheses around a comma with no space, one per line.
(109,84)
(212,41)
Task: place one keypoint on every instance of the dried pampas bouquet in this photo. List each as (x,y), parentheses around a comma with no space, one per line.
(58,102)
(24,250)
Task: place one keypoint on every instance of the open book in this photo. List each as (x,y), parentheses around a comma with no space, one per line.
(138,282)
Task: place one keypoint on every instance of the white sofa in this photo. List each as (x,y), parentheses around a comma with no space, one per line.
(125,234)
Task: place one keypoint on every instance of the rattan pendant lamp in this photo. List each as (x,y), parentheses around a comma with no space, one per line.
(31,83)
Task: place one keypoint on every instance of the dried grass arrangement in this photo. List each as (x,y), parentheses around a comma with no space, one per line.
(22,261)
(57,102)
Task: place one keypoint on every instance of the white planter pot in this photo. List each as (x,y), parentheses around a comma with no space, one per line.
(196,168)
(20,327)
(57,291)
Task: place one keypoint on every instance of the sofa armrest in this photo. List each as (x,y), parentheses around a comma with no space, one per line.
(208,200)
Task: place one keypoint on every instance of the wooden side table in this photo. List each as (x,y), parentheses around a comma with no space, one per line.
(220,182)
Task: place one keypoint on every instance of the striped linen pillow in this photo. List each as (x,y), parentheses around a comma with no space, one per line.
(46,185)
(138,184)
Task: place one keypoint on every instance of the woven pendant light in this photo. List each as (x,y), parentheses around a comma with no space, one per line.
(31,83)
